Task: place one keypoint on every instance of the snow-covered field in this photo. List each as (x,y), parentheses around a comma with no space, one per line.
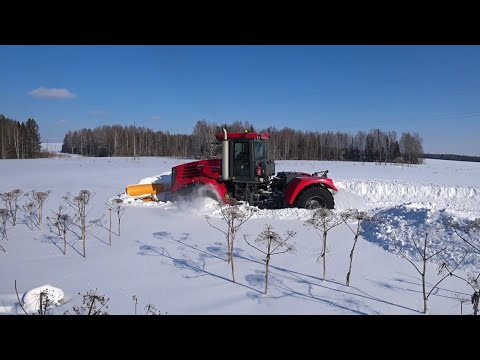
(169,256)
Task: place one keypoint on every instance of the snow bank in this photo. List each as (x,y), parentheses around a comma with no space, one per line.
(163,178)
(384,193)
(31,299)
(402,226)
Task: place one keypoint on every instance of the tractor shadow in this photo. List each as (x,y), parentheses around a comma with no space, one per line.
(283,282)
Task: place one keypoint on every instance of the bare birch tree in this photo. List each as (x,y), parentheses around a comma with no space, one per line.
(363,224)
(274,244)
(324,220)
(234,216)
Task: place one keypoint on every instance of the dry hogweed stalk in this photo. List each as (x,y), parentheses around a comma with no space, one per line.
(92,304)
(363,223)
(4,214)
(79,204)
(118,206)
(234,216)
(30,208)
(11,203)
(323,220)
(274,244)
(40,197)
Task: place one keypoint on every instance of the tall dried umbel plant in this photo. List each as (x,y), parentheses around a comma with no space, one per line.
(234,216)
(4,215)
(425,256)
(274,244)
(40,197)
(118,206)
(363,222)
(323,220)
(11,203)
(79,203)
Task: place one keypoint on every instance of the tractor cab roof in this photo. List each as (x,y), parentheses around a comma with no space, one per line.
(244,135)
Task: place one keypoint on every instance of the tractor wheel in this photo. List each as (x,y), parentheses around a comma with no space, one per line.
(196,190)
(314,198)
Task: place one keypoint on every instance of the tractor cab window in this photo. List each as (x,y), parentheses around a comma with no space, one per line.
(260,150)
(241,151)
(241,159)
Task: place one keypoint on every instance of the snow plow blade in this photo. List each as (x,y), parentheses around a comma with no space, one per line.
(146,192)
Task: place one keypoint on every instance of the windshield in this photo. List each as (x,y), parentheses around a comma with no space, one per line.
(260,150)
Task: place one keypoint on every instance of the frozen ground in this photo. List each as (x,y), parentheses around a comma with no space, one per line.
(169,256)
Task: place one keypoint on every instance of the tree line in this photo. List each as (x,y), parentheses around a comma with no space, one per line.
(284,144)
(452,157)
(19,140)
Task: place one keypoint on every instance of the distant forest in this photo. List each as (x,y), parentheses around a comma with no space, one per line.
(452,157)
(284,144)
(19,140)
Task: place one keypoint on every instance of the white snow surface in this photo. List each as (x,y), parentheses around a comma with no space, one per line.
(31,299)
(169,256)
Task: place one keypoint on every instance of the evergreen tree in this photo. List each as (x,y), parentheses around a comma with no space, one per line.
(33,144)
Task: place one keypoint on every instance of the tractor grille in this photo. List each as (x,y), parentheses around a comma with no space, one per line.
(190,171)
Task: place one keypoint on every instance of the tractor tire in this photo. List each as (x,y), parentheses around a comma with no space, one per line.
(195,190)
(314,198)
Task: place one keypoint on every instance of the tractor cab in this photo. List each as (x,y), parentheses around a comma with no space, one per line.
(245,157)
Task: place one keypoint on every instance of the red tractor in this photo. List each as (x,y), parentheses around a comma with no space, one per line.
(245,173)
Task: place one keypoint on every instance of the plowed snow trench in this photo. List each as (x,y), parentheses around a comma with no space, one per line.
(382,193)
(462,201)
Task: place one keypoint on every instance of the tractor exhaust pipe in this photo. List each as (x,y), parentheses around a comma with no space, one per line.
(225,175)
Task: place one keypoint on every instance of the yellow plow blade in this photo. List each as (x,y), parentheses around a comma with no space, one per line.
(146,192)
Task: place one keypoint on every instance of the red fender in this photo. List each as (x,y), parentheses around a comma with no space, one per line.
(300,183)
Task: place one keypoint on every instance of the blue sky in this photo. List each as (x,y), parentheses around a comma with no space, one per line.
(433,90)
